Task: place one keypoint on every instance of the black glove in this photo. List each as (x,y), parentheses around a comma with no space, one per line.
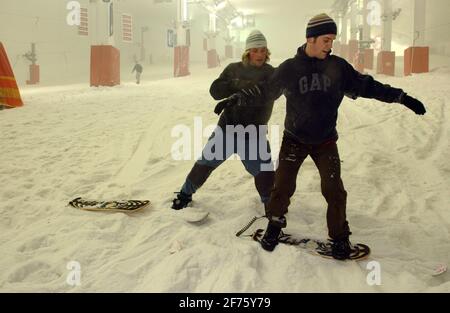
(253,91)
(220,106)
(237,98)
(413,104)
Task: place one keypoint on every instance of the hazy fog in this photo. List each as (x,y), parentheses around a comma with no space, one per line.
(63,55)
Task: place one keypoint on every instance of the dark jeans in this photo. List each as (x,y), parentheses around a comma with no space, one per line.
(249,150)
(326,158)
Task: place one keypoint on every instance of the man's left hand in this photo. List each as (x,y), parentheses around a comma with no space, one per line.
(413,104)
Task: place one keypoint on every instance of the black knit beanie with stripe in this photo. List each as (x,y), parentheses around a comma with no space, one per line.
(320,25)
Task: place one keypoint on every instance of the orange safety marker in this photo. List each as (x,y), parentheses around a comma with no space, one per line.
(9,91)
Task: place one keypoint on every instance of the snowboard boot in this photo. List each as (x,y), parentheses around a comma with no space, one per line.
(181,201)
(341,248)
(270,238)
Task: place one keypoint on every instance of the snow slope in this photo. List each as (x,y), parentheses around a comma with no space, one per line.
(69,141)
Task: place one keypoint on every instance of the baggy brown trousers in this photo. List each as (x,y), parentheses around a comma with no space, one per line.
(326,158)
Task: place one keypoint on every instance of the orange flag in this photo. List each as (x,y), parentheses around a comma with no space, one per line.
(9,92)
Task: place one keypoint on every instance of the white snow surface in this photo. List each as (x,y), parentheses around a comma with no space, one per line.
(115,143)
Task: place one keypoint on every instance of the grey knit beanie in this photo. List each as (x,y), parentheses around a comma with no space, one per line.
(255,40)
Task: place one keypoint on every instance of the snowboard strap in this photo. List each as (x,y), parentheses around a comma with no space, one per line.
(253,220)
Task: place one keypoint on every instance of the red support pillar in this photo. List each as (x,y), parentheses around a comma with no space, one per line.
(352,50)
(359,62)
(386,63)
(416,60)
(368,59)
(337,48)
(105,66)
(212,58)
(181,61)
(34,75)
(229,51)
(344,51)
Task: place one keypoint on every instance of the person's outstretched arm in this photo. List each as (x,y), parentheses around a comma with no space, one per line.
(359,85)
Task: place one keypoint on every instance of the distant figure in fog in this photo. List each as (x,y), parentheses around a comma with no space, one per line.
(138,69)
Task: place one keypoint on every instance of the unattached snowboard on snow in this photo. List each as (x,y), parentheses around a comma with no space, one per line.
(316,247)
(109,206)
(191,214)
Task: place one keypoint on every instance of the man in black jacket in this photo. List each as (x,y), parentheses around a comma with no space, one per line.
(314,83)
(240,112)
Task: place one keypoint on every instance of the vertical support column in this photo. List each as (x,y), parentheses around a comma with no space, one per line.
(212,56)
(365,54)
(105,58)
(417,57)
(34,68)
(386,63)
(228,44)
(181,51)
(352,50)
(104,22)
(336,43)
(387,26)
(105,66)
(367,28)
(239,44)
(419,22)
(344,34)
(229,51)
(354,21)
(386,58)
(368,58)
(416,60)
(367,36)
(34,75)
(354,29)
(143,53)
